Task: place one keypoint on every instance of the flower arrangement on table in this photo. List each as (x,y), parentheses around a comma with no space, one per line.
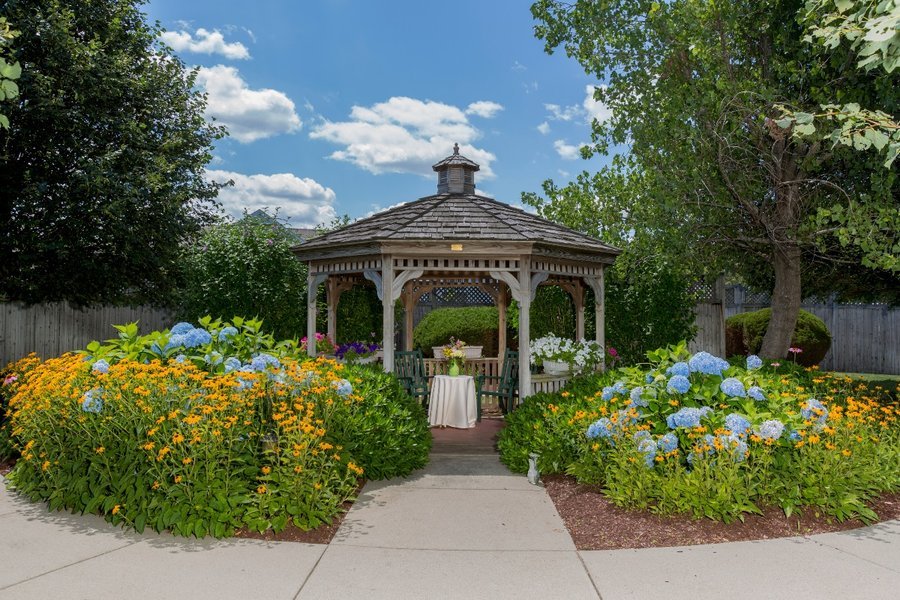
(455,353)
(575,356)
(324,345)
(357,352)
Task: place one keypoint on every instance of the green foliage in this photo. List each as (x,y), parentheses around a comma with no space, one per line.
(9,72)
(199,449)
(872,28)
(387,433)
(693,90)
(552,312)
(359,316)
(476,326)
(628,442)
(102,167)
(246,268)
(744,334)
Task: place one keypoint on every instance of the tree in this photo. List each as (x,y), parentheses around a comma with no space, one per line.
(9,72)
(101,170)
(246,269)
(695,88)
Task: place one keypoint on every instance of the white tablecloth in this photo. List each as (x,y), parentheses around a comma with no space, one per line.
(452,402)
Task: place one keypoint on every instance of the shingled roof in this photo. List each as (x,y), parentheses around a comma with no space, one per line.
(456,217)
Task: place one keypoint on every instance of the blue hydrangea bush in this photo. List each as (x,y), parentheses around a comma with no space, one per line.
(694,433)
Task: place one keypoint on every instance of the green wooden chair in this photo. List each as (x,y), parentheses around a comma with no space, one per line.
(410,370)
(507,383)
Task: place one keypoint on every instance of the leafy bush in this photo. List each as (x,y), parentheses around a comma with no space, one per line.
(744,334)
(477,326)
(203,430)
(246,268)
(696,434)
(359,315)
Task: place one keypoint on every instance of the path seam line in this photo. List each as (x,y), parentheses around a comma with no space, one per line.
(590,577)
(311,571)
(848,553)
(77,562)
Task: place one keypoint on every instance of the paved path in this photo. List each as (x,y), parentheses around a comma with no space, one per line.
(464,527)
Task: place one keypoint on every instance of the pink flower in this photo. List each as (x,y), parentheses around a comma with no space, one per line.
(775,364)
(10,379)
(795,350)
(612,352)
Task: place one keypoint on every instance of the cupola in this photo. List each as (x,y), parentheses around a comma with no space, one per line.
(456,174)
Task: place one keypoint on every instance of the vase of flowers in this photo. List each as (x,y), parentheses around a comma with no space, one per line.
(560,356)
(360,353)
(455,353)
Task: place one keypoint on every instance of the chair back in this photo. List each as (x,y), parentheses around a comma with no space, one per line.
(509,376)
(410,365)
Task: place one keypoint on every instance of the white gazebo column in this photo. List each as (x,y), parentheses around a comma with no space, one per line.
(600,316)
(524,328)
(387,317)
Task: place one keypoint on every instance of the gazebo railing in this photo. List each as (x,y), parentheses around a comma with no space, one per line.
(472,366)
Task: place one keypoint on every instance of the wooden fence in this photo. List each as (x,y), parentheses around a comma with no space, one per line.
(52,329)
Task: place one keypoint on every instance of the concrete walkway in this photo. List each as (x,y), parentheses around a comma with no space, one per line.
(464,527)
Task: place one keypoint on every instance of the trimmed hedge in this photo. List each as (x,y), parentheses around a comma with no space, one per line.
(476,326)
(744,335)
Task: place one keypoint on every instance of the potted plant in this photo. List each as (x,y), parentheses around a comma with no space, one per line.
(324,346)
(561,356)
(359,353)
(455,352)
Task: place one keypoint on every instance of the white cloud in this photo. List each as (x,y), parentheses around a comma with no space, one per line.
(304,201)
(204,41)
(567,151)
(403,135)
(589,109)
(544,128)
(484,108)
(594,109)
(517,66)
(249,114)
(560,113)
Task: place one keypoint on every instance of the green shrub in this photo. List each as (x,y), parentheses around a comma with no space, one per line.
(744,334)
(724,440)
(359,316)
(477,326)
(246,268)
(387,433)
(203,430)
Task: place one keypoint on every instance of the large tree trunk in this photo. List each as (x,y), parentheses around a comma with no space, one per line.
(786,299)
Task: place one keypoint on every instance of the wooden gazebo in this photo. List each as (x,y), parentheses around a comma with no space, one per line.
(456,238)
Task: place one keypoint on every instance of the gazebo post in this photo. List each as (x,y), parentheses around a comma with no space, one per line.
(600,316)
(578,298)
(501,327)
(387,305)
(409,305)
(524,329)
(333,295)
(312,284)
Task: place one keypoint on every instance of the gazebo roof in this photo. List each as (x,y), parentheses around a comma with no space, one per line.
(456,217)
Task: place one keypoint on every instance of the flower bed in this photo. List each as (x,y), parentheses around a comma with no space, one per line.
(205,430)
(696,434)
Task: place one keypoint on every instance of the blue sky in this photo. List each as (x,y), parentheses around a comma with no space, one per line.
(341,106)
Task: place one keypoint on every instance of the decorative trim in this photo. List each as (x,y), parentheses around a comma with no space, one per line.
(536,280)
(375,277)
(511,280)
(401,279)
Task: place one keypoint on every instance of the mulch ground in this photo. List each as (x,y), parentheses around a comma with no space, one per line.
(596,524)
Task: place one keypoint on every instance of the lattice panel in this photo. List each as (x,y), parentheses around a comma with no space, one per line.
(456,297)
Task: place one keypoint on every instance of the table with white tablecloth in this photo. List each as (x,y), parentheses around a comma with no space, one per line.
(452,402)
